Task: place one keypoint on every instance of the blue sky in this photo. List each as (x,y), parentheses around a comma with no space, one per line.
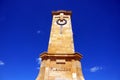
(25,28)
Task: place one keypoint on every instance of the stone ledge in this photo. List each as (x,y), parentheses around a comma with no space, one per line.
(76,56)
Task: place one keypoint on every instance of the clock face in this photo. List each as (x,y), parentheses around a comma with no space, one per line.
(61,22)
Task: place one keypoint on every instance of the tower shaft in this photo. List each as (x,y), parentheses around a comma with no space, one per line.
(61,37)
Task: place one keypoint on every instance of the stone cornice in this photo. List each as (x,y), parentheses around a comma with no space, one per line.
(62,11)
(76,56)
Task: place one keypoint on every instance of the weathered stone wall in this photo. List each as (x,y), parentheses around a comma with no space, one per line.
(60,69)
(61,38)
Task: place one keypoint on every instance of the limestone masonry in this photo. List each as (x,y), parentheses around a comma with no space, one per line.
(61,62)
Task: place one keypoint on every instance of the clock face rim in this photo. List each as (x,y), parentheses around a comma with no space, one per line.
(61,22)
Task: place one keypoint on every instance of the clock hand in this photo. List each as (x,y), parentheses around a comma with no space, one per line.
(61,29)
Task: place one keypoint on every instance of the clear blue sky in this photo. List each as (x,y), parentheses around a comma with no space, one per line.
(25,28)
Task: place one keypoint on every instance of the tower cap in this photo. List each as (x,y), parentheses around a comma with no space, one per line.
(61,11)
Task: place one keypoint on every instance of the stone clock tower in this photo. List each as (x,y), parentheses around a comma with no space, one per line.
(61,62)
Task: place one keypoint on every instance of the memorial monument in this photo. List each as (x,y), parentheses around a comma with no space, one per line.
(61,62)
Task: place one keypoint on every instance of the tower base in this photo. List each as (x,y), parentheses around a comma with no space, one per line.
(60,67)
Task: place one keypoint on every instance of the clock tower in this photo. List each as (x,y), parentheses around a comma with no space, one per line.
(61,62)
